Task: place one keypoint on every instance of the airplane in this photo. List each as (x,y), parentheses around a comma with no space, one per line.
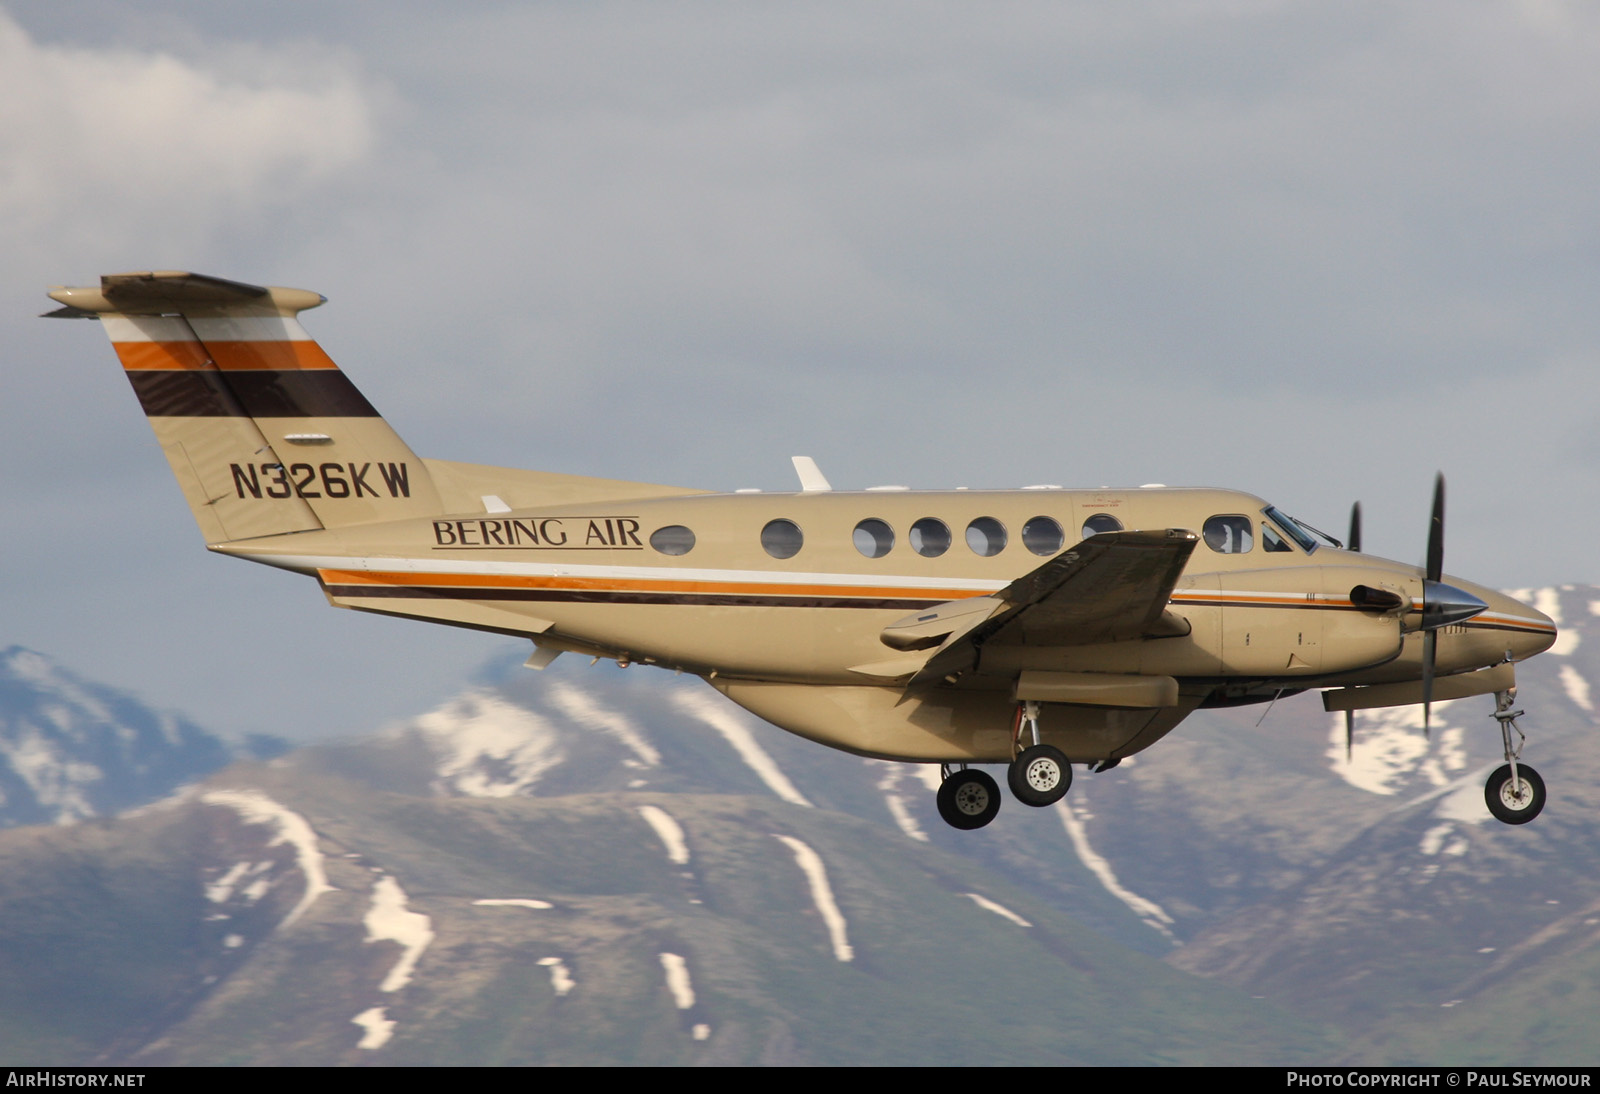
(1038,628)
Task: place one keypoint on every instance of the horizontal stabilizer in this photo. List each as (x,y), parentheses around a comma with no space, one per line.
(174,292)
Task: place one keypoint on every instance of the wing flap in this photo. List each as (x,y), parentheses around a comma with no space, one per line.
(1112,587)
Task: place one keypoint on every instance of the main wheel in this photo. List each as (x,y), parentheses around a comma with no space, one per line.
(1513,803)
(1040,776)
(968,799)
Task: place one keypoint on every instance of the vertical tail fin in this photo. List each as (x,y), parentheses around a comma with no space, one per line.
(262,430)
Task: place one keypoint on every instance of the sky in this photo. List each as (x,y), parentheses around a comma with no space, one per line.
(1317,252)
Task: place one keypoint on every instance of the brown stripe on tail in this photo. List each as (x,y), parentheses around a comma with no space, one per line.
(264,432)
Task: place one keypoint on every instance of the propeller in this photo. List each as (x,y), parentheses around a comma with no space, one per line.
(1441,604)
(1434,571)
(1353,544)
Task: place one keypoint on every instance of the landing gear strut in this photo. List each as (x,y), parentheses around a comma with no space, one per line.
(967,798)
(1515,792)
(1040,775)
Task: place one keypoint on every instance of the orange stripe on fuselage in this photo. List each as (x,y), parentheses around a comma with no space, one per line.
(611,584)
(261,356)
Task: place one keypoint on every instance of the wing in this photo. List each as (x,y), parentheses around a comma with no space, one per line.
(1110,588)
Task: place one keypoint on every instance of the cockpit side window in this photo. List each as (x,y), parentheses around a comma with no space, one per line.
(1293,529)
(1229,534)
(1272,541)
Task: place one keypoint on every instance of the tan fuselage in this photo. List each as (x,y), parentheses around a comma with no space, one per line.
(797,639)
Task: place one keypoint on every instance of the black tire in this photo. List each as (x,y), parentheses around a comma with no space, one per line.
(968,799)
(1039,777)
(1503,800)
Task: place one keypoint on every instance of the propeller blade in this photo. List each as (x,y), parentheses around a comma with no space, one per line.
(1349,733)
(1435,566)
(1432,588)
(1428,640)
(1354,542)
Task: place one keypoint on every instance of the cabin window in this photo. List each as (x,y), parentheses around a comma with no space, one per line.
(781,538)
(1101,522)
(1229,535)
(930,537)
(1042,536)
(873,537)
(674,539)
(1272,541)
(986,536)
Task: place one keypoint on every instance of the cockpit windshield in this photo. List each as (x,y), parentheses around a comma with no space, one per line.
(1300,533)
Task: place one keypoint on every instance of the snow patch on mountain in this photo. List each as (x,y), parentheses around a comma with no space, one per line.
(1463,802)
(822,896)
(1433,841)
(561,980)
(678,983)
(389,920)
(582,709)
(668,831)
(1151,913)
(488,747)
(56,780)
(896,802)
(376,1027)
(716,713)
(45,675)
(1389,748)
(998,909)
(254,807)
(1576,687)
(254,876)
(70,749)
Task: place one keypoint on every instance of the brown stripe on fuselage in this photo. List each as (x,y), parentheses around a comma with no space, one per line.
(783,591)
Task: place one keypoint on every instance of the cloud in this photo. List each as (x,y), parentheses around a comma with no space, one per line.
(99,146)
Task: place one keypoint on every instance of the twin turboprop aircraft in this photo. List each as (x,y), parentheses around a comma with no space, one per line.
(1034,628)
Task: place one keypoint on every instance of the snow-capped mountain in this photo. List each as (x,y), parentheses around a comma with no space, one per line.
(592,864)
(71,749)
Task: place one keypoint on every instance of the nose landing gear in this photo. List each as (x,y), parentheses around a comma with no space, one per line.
(1515,792)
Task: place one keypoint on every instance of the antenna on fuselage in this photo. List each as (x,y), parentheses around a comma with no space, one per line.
(812,480)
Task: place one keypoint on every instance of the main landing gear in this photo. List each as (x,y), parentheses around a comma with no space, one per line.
(967,798)
(1515,792)
(1039,775)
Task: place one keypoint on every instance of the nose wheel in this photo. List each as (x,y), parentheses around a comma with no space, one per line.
(1514,796)
(1515,792)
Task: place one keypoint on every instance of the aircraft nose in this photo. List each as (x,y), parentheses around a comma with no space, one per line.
(1527,630)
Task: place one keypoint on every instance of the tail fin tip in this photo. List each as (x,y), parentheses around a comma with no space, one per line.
(170,292)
